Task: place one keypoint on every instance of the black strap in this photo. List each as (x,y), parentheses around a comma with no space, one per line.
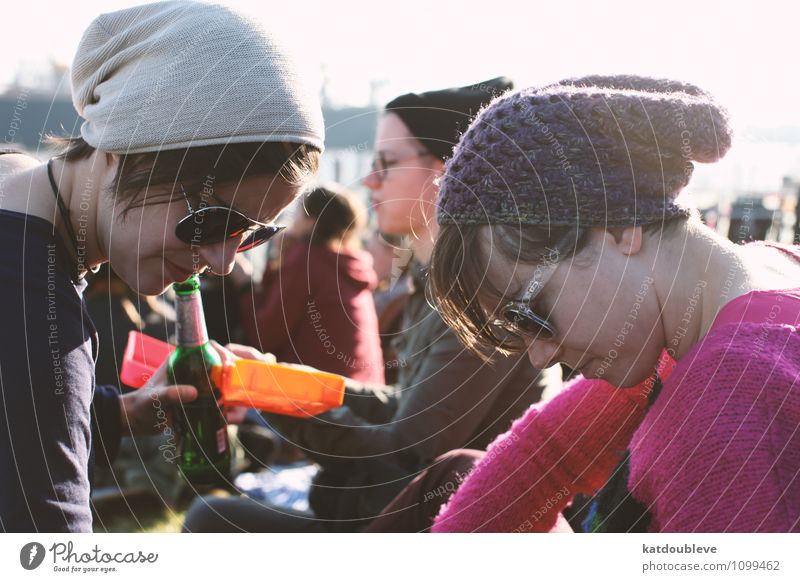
(64,212)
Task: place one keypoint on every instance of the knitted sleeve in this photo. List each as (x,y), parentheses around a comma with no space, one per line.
(566,446)
(719,451)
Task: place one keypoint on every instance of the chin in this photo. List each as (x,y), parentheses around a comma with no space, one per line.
(150,286)
(387,224)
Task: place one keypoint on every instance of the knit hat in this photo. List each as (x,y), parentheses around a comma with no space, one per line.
(437,118)
(178,74)
(596,151)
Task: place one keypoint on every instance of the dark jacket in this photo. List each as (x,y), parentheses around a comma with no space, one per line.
(54,420)
(445,399)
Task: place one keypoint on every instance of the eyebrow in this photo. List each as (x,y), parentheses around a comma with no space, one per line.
(231,206)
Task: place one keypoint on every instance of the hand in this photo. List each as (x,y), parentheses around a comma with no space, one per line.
(234,414)
(250,353)
(148,410)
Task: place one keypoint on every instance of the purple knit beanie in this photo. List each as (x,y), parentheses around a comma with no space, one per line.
(596,151)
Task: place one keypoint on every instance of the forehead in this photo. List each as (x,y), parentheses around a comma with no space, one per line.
(392,134)
(259,197)
(500,278)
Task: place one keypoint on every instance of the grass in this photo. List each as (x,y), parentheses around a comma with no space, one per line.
(143,513)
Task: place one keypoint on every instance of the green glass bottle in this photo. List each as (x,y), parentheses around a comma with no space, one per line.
(200,425)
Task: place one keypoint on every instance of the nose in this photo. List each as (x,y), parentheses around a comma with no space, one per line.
(544,353)
(371,180)
(221,257)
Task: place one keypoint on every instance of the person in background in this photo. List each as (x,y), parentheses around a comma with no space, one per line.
(198,130)
(445,397)
(315,304)
(564,234)
(391,257)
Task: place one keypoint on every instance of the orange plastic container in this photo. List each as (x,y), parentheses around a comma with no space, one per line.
(278,388)
(269,387)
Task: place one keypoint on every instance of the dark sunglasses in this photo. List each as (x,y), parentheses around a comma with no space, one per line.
(519,317)
(209,225)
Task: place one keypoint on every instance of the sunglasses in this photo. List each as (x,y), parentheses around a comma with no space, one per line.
(209,225)
(519,317)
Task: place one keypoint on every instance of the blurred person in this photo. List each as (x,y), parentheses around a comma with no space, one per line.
(445,397)
(564,234)
(197,132)
(315,305)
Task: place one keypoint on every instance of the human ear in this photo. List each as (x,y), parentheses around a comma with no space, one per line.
(627,240)
(630,240)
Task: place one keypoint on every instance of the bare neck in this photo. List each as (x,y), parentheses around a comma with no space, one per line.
(696,279)
(80,186)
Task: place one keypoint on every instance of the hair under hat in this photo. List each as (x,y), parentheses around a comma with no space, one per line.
(180,74)
(596,151)
(437,118)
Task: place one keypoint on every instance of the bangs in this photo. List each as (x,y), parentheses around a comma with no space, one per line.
(459,276)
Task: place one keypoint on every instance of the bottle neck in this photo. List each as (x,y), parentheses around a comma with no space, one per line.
(191,322)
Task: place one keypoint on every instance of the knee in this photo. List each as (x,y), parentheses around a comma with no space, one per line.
(458,460)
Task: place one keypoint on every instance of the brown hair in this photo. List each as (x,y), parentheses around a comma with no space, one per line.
(337,214)
(458,273)
(294,163)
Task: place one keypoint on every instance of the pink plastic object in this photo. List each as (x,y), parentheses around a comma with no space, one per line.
(143,355)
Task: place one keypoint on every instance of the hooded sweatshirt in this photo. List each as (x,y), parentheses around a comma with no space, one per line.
(318,310)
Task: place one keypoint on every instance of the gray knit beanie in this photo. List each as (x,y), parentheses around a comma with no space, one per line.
(596,151)
(178,74)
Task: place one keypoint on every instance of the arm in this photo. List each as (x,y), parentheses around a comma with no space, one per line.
(46,371)
(439,409)
(106,425)
(719,450)
(569,445)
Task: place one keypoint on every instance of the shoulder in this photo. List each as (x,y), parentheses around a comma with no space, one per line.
(735,365)
(728,384)
(25,190)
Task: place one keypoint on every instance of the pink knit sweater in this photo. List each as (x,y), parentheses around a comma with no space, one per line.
(718,451)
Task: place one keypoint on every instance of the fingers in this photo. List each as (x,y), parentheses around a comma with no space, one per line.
(246,352)
(228,357)
(177,393)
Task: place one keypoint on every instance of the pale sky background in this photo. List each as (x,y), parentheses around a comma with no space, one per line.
(745,54)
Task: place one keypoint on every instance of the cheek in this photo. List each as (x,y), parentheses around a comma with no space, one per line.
(633,337)
(141,240)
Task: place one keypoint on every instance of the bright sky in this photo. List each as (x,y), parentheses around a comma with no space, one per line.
(746,56)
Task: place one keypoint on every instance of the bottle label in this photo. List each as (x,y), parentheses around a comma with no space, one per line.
(222,442)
